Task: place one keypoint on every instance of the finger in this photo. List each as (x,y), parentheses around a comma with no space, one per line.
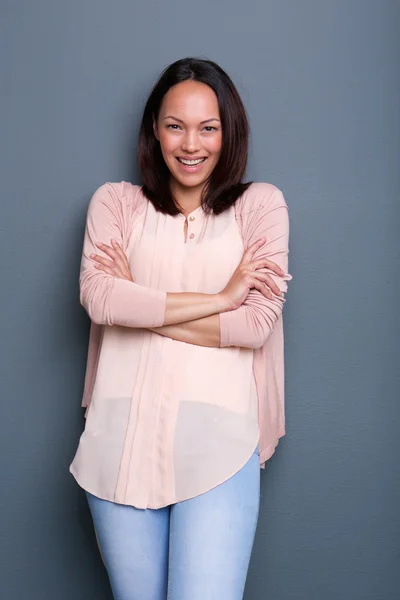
(251,250)
(118,249)
(267,279)
(114,272)
(107,249)
(118,257)
(265,262)
(123,259)
(103,261)
(105,269)
(261,287)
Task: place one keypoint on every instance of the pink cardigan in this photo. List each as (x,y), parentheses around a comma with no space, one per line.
(260,212)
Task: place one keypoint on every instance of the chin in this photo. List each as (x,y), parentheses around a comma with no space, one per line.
(190,181)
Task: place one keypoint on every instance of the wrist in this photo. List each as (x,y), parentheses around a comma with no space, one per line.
(221,302)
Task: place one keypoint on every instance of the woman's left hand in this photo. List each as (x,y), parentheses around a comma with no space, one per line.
(118,266)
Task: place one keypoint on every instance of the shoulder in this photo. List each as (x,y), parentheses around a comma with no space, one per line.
(121,193)
(259,195)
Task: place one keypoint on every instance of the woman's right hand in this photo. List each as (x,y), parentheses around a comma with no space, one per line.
(246,276)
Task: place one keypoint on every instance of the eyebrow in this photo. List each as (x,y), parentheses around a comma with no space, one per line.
(180,120)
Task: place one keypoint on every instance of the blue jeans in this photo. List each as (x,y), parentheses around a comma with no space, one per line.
(198,549)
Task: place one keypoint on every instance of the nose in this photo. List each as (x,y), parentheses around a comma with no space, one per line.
(190,142)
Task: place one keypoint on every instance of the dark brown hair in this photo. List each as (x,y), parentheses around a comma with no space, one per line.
(224,185)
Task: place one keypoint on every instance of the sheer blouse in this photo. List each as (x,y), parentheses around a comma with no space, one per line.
(167,420)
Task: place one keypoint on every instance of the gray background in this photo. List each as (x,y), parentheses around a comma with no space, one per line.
(320,80)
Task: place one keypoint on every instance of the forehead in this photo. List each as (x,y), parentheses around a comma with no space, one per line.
(190,100)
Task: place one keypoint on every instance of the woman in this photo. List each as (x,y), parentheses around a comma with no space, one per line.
(185,346)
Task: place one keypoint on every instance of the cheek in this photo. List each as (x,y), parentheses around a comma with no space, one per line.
(215,145)
(168,143)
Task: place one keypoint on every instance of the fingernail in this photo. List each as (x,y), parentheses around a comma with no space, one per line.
(92,255)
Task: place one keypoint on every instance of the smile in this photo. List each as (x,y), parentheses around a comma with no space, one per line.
(191,163)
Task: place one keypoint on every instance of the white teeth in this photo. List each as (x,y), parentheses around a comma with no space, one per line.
(191,162)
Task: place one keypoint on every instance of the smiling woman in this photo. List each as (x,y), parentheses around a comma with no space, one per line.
(183,278)
(200,141)
(193,114)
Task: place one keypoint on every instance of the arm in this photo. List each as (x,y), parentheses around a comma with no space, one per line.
(201,332)
(249,325)
(111,300)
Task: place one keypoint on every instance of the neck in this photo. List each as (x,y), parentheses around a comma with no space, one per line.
(188,198)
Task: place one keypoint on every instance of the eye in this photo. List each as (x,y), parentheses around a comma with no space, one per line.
(172,125)
(210,127)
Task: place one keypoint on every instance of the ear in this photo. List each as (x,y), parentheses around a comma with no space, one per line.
(155,128)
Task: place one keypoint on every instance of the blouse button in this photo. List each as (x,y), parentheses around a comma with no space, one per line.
(191,218)
(191,236)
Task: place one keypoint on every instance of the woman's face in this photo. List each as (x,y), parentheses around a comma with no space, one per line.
(189,128)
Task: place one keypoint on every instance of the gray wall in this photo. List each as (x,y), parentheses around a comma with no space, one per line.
(320,80)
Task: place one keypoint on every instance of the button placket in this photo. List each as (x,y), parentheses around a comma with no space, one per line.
(191,219)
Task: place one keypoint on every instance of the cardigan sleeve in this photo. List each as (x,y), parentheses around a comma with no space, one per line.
(250,325)
(111,300)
